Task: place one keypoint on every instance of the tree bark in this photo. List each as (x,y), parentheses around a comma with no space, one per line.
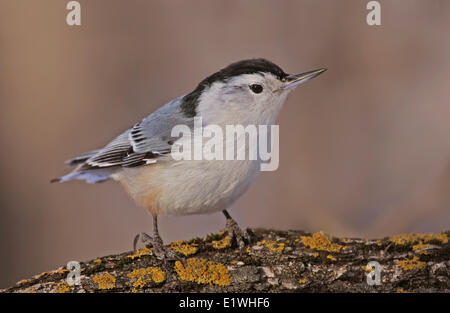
(275,261)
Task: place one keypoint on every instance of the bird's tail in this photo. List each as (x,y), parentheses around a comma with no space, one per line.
(89,176)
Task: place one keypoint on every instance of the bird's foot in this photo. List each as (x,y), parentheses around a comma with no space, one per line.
(159,250)
(242,237)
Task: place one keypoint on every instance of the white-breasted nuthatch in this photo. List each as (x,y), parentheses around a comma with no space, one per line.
(246,92)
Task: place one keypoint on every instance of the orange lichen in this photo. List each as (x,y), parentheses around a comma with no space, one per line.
(272,245)
(412,264)
(62,287)
(421,248)
(320,241)
(39,276)
(302,281)
(223,243)
(331,258)
(368,269)
(106,281)
(59,271)
(146,276)
(202,271)
(141,252)
(412,239)
(184,248)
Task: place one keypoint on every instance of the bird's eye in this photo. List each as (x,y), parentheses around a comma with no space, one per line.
(256,88)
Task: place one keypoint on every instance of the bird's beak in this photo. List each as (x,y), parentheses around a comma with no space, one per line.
(292,81)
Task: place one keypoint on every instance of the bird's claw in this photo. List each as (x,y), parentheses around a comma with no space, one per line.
(242,237)
(159,250)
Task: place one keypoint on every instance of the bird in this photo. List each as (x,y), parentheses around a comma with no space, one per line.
(246,92)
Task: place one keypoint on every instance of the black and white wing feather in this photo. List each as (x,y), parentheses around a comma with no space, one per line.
(146,143)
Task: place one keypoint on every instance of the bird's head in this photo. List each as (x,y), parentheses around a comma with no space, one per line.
(248,91)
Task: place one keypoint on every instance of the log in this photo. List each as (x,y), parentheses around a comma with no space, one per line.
(275,261)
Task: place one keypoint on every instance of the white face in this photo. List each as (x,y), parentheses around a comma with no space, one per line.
(244,99)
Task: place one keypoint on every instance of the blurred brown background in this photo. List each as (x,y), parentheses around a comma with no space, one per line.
(365,148)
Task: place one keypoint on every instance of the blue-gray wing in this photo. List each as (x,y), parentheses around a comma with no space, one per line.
(153,133)
(147,140)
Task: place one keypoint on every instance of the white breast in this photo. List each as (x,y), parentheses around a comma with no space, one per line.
(195,187)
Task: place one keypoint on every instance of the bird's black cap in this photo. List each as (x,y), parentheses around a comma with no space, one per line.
(246,67)
(190,101)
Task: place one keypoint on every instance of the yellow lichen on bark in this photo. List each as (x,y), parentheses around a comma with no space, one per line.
(411,239)
(319,241)
(331,258)
(272,245)
(421,248)
(140,252)
(412,264)
(202,271)
(105,281)
(145,276)
(184,248)
(62,287)
(223,243)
